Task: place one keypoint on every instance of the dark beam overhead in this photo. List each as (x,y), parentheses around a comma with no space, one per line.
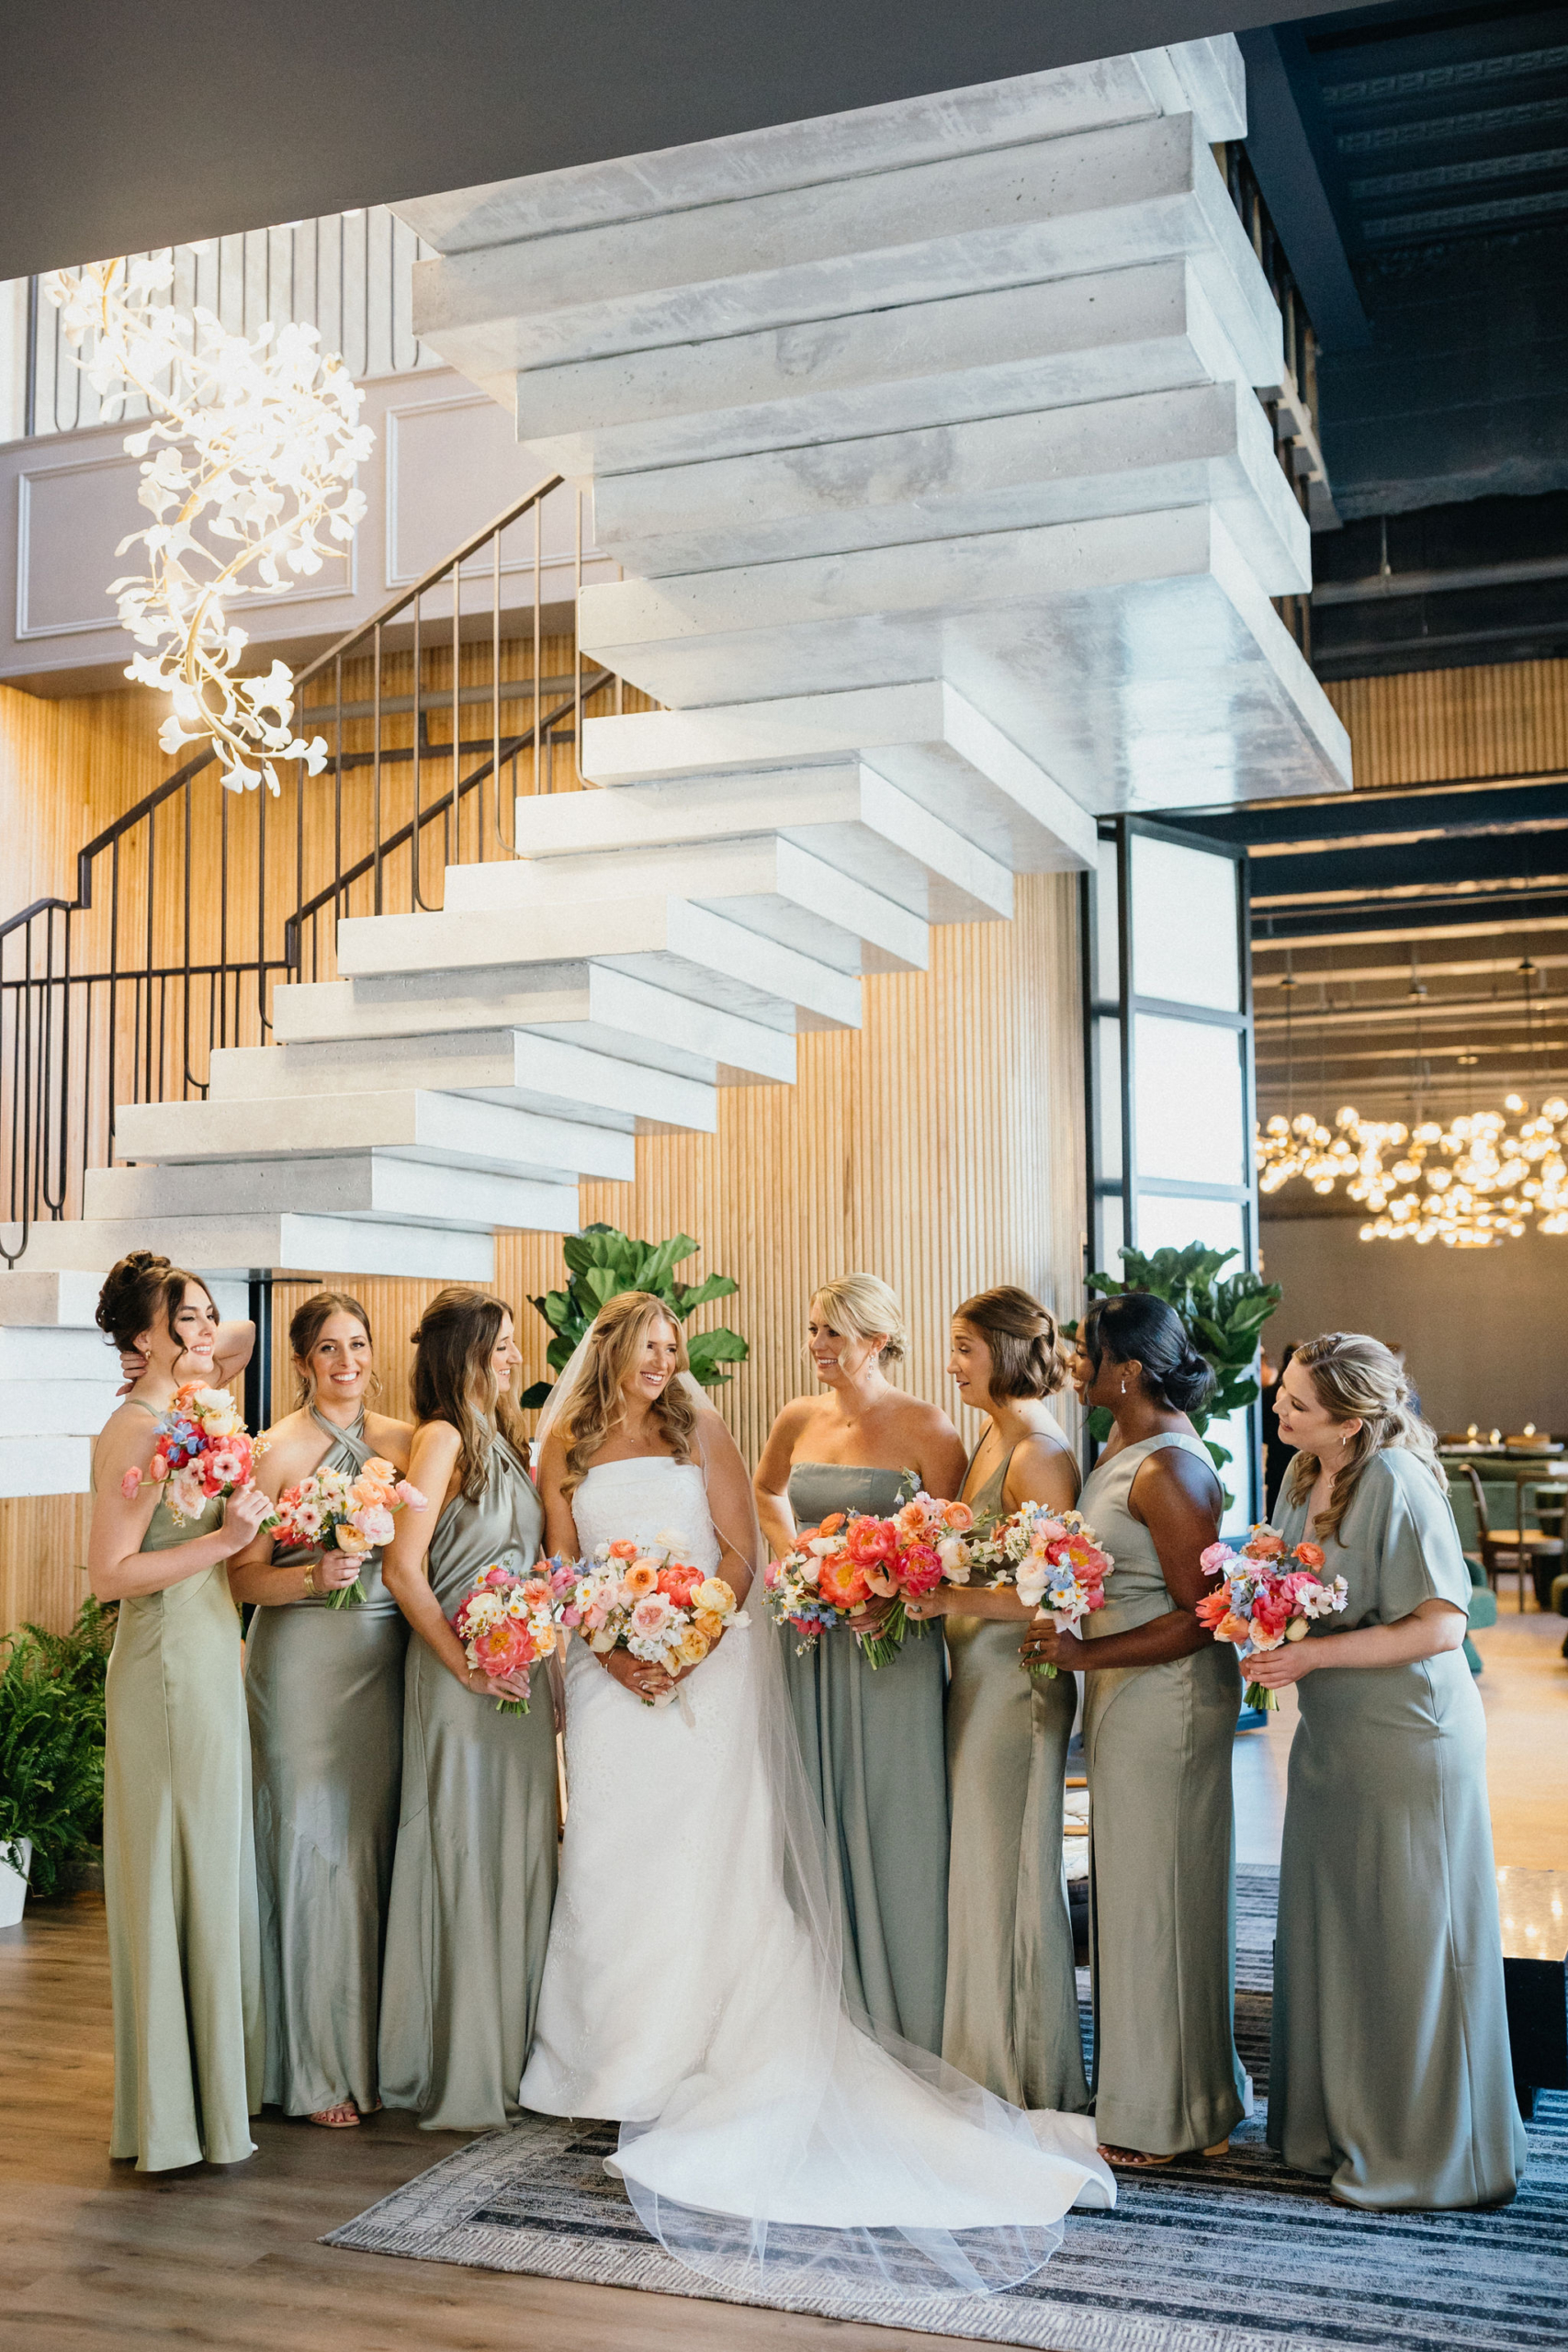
(129,127)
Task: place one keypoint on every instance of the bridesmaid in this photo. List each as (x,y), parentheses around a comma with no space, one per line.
(179,1876)
(1012,2014)
(1391,2074)
(872,1740)
(324,1688)
(474,1873)
(1160,1708)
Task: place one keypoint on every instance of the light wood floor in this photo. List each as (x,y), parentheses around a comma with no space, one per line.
(94,2257)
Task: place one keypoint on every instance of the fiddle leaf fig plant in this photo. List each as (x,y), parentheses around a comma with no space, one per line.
(601,1262)
(1225,1320)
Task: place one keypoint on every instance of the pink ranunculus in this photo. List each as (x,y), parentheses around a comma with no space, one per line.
(374,1522)
(571,1615)
(495,1578)
(650,1616)
(1310,1555)
(160,1467)
(1215,1559)
(1271,1611)
(130,1486)
(409,1495)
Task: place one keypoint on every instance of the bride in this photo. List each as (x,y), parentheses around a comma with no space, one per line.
(691,1987)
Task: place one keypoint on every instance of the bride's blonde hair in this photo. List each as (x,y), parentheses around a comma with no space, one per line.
(595,1406)
(1355,1377)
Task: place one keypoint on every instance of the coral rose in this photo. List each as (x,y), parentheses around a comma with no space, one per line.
(1232,1629)
(640,1578)
(678,1582)
(1310,1555)
(957,1518)
(622,1549)
(911,1520)
(830,1525)
(1264,1543)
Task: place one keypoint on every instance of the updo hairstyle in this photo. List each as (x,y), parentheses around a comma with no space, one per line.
(308,1322)
(1021,1334)
(1138,1328)
(1355,1377)
(135,1289)
(863,1306)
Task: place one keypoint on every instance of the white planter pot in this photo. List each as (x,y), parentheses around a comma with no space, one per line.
(15,1863)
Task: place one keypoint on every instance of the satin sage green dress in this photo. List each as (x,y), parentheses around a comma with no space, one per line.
(872,1745)
(1158,1742)
(474,1876)
(179,1871)
(1012,2014)
(325,1692)
(1390,2072)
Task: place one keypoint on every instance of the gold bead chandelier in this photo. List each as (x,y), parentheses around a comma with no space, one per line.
(1485,1178)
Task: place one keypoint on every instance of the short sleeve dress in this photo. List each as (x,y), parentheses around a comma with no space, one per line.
(1391,2072)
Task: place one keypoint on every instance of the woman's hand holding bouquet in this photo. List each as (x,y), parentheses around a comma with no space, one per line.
(1270,1595)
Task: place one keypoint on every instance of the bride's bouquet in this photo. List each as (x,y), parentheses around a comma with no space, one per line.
(338,1514)
(1053,1559)
(201,1450)
(1270,1595)
(646,1598)
(832,1573)
(509,1621)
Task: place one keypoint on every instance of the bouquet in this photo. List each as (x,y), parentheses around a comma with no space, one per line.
(509,1621)
(338,1514)
(832,1573)
(1270,1595)
(1053,1559)
(201,1450)
(644,1598)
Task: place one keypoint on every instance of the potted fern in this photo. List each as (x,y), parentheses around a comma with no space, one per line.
(51,1755)
(601,1262)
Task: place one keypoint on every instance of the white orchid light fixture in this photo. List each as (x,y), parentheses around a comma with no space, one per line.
(1481,1179)
(259,442)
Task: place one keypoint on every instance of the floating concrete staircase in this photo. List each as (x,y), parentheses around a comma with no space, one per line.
(929,441)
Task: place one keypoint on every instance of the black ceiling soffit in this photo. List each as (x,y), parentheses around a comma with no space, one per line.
(129,127)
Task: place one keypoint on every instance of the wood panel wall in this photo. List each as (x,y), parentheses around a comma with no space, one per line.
(1431,726)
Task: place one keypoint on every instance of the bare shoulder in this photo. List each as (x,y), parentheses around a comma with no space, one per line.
(391,1439)
(125,1442)
(794,1417)
(715,1436)
(923,1419)
(1044,1457)
(1174,1477)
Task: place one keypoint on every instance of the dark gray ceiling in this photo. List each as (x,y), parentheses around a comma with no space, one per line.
(129,126)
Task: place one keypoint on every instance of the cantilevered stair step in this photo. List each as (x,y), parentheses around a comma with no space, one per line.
(444,1129)
(236,1242)
(846,815)
(584,1004)
(377,1186)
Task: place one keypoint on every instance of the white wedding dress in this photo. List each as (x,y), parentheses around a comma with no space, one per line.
(692,1991)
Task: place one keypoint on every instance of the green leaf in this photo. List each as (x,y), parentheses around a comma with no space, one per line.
(536,1396)
(687,1300)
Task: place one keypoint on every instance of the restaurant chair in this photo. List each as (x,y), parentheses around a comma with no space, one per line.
(1519,1552)
(1482,1599)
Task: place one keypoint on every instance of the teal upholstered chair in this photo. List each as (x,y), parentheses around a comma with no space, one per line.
(1482,1599)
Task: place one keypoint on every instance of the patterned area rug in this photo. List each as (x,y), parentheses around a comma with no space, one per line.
(1233,2255)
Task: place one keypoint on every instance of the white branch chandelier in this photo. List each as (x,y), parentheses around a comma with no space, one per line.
(1483,1180)
(259,442)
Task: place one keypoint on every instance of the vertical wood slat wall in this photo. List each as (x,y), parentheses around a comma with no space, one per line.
(1431,726)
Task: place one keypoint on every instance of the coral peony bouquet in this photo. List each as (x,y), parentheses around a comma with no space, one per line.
(201,1450)
(644,1598)
(1054,1560)
(1270,1595)
(333,1512)
(510,1621)
(833,1573)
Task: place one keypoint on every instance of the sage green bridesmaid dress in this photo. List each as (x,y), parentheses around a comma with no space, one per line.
(179,1871)
(1158,1741)
(1012,2014)
(325,1692)
(872,1745)
(1390,2072)
(474,1876)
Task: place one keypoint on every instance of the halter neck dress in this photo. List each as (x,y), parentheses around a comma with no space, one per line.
(474,1876)
(872,1743)
(1391,2072)
(324,1688)
(1158,1741)
(1012,2014)
(179,1872)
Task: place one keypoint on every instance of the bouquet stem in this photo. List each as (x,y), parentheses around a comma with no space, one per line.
(346,1596)
(1258,1695)
(880,1649)
(1043,1670)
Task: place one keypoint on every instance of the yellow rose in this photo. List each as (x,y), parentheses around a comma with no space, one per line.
(713,1598)
(692,1647)
(545,1639)
(705,1622)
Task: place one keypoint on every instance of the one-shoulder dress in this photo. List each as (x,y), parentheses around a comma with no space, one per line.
(179,1871)
(325,1692)
(873,1747)
(474,1876)
(1011,2016)
(1390,2072)
(1158,1743)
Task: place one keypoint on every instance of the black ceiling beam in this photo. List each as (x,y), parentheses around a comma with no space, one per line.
(1466,805)
(1513,910)
(1281,150)
(129,127)
(1524,857)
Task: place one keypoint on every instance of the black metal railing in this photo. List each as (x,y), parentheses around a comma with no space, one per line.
(191,907)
